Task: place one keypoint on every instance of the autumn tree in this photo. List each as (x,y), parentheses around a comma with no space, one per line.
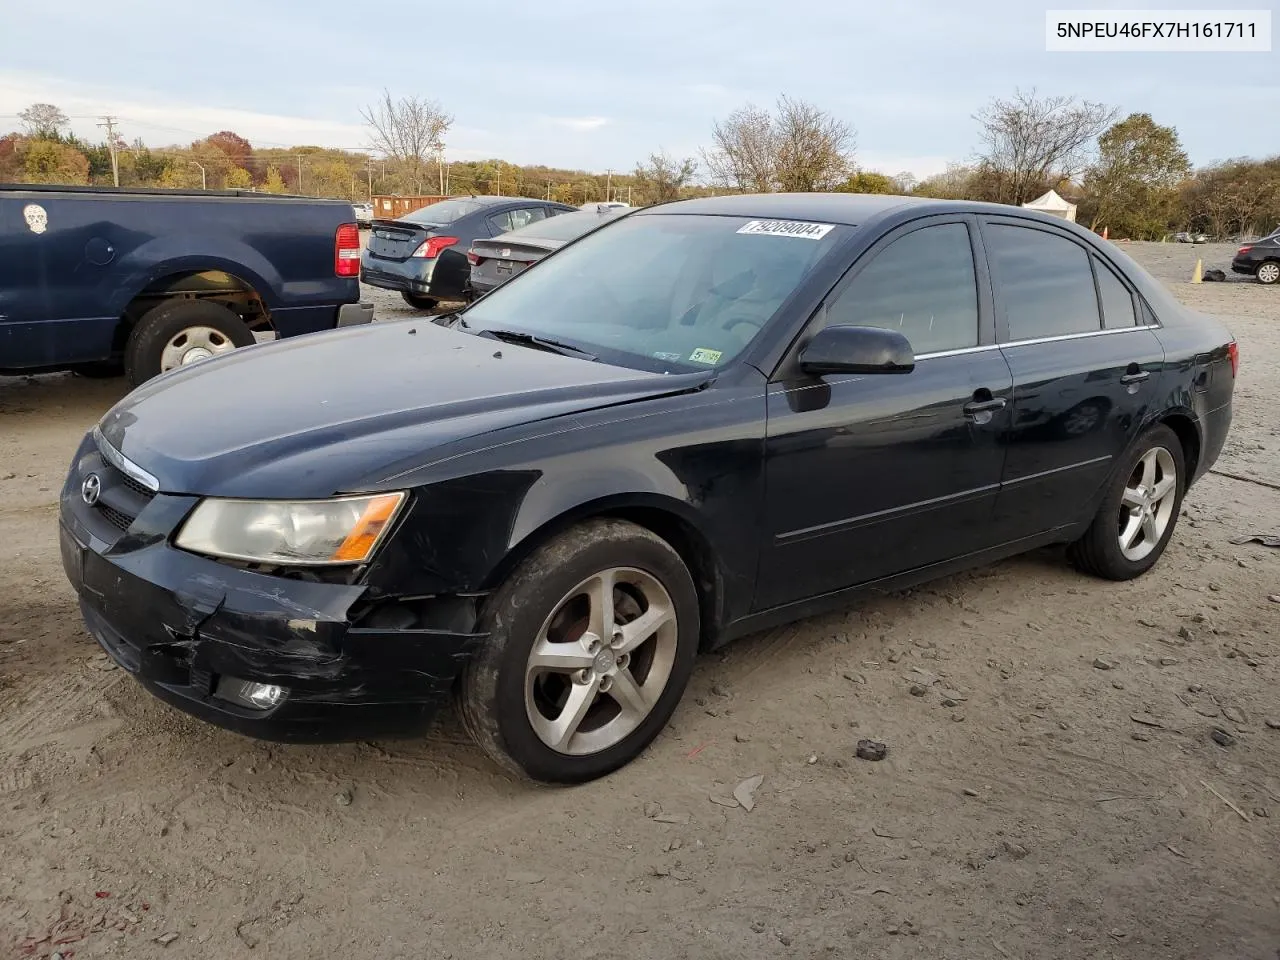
(237,150)
(43,121)
(1133,187)
(50,161)
(410,131)
(663,177)
(799,148)
(864,181)
(274,183)
(1031,142)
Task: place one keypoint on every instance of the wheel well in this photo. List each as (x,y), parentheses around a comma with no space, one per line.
(682,535)
(1189,437)
(217,285)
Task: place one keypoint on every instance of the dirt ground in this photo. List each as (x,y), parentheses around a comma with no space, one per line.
(1032,804)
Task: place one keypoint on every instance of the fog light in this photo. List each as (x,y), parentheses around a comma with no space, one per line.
(259,696)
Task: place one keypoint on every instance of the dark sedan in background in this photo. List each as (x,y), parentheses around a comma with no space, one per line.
(1260,259)
(495,261)
(703,419)
(423,254)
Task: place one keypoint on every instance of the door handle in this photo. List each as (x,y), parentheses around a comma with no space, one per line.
(1138,377)
(984,406)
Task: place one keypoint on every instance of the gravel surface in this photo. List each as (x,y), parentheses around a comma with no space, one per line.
(1085,769)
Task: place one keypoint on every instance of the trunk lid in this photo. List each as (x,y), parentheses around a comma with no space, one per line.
(397,239)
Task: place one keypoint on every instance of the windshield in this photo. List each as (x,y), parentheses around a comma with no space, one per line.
(661,292)
(446,211)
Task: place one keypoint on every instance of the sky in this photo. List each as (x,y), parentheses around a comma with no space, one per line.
(595,85)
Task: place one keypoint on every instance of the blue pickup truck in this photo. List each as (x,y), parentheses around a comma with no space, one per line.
(105,281)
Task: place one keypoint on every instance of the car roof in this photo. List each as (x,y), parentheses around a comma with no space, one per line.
(845,208)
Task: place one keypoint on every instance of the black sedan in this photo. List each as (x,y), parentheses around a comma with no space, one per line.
(423,254)
(700,420)
(1260,259)
(495,261)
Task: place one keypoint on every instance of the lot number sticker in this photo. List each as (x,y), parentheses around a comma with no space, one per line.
(787,228)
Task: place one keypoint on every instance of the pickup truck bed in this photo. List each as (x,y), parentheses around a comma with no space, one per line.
(104,280)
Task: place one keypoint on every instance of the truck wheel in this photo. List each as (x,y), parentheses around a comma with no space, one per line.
(179,333)
(419,303)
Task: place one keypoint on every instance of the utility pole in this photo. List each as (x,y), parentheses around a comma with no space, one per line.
(548,189)
(628,196)
(299,157)
(608,188)
(204,180)
(369,167)
(110,124)
(499,181)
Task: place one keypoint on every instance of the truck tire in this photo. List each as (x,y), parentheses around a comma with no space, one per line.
(181,332)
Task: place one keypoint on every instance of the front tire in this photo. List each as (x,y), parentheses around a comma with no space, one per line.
(591,643)
(1268,272)
(179,333)
(418,302)
(1138,513)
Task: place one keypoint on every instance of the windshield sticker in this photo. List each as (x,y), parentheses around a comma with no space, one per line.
(787,228)
(703,355)
(660,355)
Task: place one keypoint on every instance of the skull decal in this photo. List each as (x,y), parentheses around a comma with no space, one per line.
(36,217)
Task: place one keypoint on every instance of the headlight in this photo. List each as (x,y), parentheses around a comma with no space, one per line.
(304,532)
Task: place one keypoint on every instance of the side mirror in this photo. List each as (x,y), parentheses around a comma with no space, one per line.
(845,349)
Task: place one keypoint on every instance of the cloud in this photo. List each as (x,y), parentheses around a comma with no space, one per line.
(580,124)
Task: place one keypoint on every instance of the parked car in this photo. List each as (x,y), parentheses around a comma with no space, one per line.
(423,254)
(364,214)
(106,280)
(701,420)
(1260,259)
(499,259)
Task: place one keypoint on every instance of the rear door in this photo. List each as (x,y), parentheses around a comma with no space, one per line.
(1086,368)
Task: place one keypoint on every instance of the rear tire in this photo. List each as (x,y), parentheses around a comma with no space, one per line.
(1268,272)
(181,332)
(1126,539)
(419,303)
(579,708)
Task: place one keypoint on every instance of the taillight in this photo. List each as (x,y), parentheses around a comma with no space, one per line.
(474,258)
(1233,351)
(346,251)
(1245,249)
(431,248)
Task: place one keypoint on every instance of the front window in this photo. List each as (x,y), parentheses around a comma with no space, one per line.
(661,291)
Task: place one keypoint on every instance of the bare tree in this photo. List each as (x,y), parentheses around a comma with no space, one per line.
(43,121)
(905,182)
(801,148)
(411,131)
(1031,141)
(663,177)
(744,154)
(815,150)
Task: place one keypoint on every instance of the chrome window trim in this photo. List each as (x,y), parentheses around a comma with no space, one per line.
(123,463)
(1034,340)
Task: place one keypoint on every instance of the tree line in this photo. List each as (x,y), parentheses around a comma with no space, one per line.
(1127,174)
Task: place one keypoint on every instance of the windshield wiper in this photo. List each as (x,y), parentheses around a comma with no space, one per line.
(539,343)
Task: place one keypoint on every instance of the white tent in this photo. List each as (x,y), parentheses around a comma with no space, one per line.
(1053,205)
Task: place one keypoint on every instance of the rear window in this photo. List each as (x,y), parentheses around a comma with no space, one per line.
(566,226)
(446,211)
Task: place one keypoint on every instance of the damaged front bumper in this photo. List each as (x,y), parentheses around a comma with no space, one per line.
(182,623)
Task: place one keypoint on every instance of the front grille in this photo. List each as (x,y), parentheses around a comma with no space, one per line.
(134,485)
(121,521)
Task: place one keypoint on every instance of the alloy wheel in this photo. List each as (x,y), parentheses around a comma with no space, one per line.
(601,661)
(1146,507)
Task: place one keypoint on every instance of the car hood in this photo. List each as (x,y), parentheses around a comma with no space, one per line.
(312,416)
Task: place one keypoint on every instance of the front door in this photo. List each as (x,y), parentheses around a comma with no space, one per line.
(1086,367)
(872,475)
